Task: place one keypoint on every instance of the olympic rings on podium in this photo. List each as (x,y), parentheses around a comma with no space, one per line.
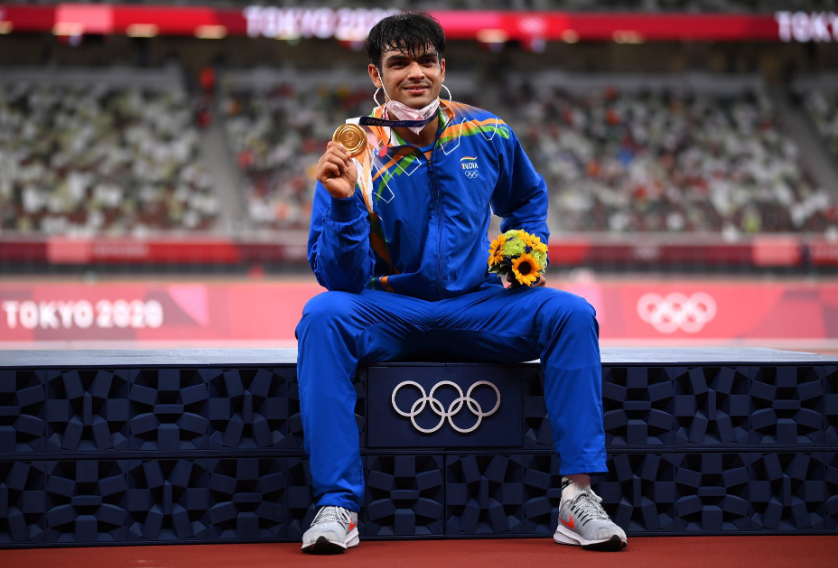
(439,409)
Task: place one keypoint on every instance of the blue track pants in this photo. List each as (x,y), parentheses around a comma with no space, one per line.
(339,330)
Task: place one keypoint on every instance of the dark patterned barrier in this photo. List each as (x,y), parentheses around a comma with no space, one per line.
(207,447)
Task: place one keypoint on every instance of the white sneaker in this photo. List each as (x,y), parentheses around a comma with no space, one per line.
(333,530)
(583,522)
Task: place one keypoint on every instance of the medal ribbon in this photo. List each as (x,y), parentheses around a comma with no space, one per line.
(373,121)
(385,122)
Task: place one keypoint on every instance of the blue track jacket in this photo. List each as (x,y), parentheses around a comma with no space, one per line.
(418,225)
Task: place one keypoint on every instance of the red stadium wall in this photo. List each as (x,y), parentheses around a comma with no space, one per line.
(266,313)
(348,24)
(569,251)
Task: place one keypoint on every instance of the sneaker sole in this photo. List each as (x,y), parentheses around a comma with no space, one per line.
(325,546)
(567,537)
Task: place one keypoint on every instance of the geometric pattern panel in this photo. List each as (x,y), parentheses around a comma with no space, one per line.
(650,493)
(485,494)
(788,406)
(542,487)
(829,510)
(537,430)
(712,405)
(250,408)
(250,499)
(404,495)
(361,406)
(22,502)
(86,501)
(87,410)
(638,405)
(639,491)
(22,411)
(167,500)
(300,499)
(711,492)
(257,408)
(168,409)
(830,402)
(247,498)
(788,491)
(722,492)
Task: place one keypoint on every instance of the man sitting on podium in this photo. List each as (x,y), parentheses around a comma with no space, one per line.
(399,239)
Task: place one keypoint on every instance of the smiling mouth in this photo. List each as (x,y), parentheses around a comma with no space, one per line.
(416,88)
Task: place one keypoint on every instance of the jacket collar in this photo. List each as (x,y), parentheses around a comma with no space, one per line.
(386,137)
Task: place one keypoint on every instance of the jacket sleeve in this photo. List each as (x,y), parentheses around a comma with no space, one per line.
(520,196)
(338,242)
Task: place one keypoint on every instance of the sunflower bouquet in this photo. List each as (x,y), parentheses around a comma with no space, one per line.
(519,253)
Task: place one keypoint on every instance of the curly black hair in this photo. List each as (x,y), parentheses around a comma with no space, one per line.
(410,32)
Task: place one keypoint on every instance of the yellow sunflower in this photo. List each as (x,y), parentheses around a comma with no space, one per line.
(496,250)
(525,268)
(534,242)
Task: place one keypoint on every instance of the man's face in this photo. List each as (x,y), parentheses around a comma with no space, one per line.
(412,79)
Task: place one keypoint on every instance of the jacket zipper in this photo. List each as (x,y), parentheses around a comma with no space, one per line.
(438,203)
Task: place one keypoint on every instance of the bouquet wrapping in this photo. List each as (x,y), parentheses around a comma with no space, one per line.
(518,253)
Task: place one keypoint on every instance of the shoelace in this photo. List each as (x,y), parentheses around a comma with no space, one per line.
(327,514)
(586,506)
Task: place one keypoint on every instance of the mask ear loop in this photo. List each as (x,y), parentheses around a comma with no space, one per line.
(381,88)
(383,151)
(448,104)
(375,97)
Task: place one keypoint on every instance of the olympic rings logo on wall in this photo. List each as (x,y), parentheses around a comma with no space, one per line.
(677,311)
(440,410)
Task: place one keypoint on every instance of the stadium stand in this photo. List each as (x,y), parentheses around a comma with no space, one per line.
(277,137)
(823,109)
(86,157)
(661,161)
(620,154)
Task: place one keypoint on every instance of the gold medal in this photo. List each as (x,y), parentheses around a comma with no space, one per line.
(352,137)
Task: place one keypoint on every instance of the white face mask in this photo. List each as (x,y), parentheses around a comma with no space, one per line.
(404,112)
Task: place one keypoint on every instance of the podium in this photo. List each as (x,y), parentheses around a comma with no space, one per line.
(119,447)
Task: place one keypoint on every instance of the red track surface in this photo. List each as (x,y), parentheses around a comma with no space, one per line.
(705,552)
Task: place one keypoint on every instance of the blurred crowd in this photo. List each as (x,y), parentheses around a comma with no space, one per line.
(659,161)
(823,110)
(277,137)
(614,162)
(83,161)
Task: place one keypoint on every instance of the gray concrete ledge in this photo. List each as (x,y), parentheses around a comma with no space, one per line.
(283,357)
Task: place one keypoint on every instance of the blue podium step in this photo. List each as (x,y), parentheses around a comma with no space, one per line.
(206,446)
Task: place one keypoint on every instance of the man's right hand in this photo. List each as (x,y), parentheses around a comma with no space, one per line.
(337,172)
